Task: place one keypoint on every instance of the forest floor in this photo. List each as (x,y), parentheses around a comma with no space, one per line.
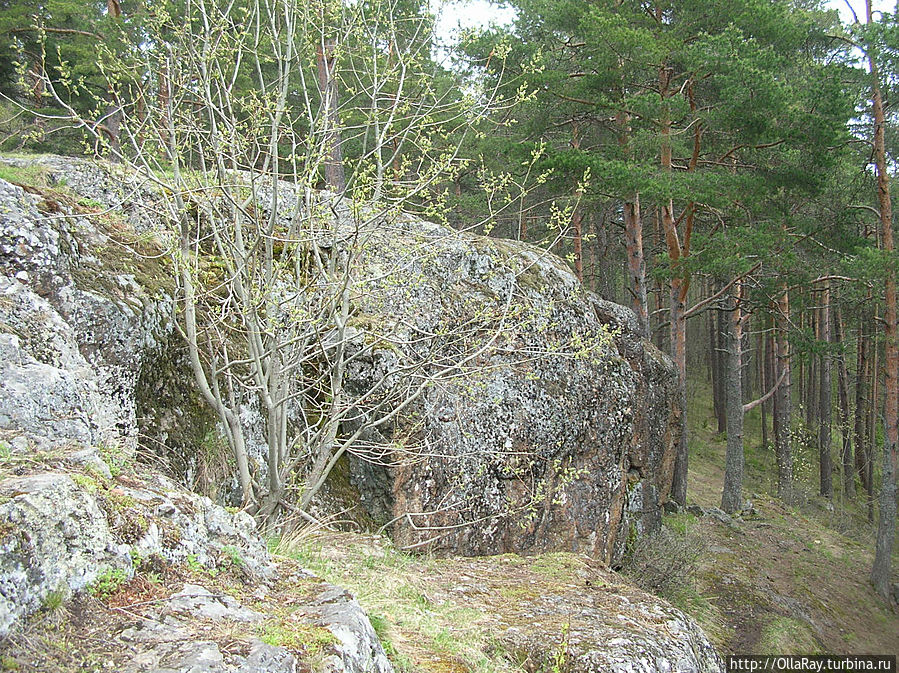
(778,579)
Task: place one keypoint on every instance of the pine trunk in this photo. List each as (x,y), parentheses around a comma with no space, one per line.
(721,355)
(825,402)
(577,224)
(732,495)
(715,365)
(845,411)
(861,408)
(633,236)
(636,263)
(325,61)
(782,402)
(886,526)
(811,386)
(679,353)
(761,368)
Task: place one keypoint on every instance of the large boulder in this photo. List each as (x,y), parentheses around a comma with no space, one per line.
(550,425)
(561,433)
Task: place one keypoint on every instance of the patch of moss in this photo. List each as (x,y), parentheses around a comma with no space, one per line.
(680,523)
(86,482)
(126,520)
(187,442)
(8,529)
(557,566)
(171,534)
(304,638)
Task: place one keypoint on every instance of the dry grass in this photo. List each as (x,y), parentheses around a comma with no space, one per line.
(421,629)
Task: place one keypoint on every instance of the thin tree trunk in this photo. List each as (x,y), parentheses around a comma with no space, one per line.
(633,236)
(873,407)
(577,216)
(845,411)
(636,263)
(886,526)
(764,381)
(861,405)
(715,365)
(577,224)
(782,402)
(811,388)
(825,406)
(721,355)
(770,372)
(732,495)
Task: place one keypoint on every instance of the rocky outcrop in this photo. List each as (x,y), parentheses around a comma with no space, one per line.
(558,435)
(200,592)
(79,308)
(550,612)
(60,533)
(330,631)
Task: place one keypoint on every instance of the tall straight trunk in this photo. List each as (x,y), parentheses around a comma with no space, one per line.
(770,374)
(636,262)
(811,388)
(732,495)
(715,364)
(677,295)
(721,355)
(679,353)
(845,411)
(873,408)
(825,405)
(886,526)
(862,368)
(577,229)
(577,216)
(761,367)
(633,236)
(325,62)
(602,262)
(782,399)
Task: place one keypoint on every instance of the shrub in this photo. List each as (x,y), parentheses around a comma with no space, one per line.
(663,563)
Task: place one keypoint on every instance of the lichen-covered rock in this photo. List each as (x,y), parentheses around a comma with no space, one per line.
(53,538)
(560,435)
(330,625)
(59,534)
(549,423)
(358,649)
(547,612)
(560,612)
(79,309)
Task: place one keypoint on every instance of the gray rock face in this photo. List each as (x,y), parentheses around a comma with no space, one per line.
(59,536)
(560,436)
(76,322)
(53,538)
(358,647)
(168,640)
